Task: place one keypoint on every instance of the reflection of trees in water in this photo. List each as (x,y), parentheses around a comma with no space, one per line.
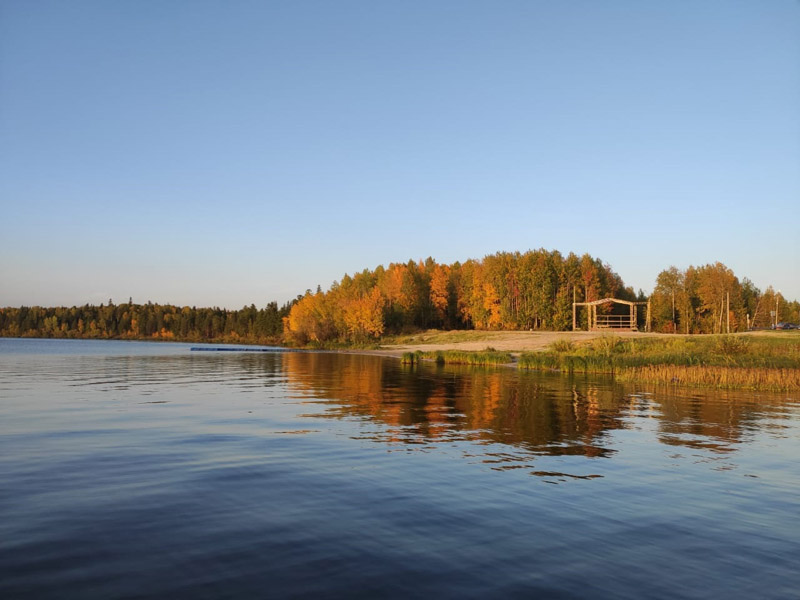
(539,414)
(535,412)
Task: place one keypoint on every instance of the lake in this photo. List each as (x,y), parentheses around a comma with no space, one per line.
(147,470)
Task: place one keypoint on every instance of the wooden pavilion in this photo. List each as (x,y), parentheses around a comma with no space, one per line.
(598,322)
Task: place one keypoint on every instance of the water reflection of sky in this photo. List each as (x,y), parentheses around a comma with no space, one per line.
(177,474)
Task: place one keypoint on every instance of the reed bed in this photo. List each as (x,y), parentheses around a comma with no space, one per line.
(409,358)
(458,357)
(566,363)
(724,361)
(751,378)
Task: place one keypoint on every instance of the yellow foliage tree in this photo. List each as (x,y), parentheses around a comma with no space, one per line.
(310,320)
(491,303)
(439,290)
(363,317)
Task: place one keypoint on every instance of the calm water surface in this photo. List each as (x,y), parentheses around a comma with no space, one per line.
(141,470)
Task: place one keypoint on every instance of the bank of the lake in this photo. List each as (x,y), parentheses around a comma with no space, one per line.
(753,360)
(758,360)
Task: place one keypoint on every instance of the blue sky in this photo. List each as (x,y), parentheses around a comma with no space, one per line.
(228,153)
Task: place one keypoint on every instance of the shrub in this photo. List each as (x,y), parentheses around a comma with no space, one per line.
(730,345)
(607,345)
(562,346)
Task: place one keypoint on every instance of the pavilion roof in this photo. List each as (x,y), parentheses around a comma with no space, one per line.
(607,300)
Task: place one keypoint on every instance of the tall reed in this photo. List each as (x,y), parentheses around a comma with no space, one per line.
(458,357)
(409,358)
(751,378)
(720,361)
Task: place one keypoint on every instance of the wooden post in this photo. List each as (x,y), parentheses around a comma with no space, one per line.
(647,325)
(728,309)
(574,319)
(632,324)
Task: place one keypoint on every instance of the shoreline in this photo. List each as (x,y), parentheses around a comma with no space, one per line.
(471,340)
(755,360)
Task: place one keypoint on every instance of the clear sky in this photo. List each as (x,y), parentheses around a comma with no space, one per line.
(228,153)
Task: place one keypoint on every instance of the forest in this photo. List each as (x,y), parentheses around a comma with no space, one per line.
(147,321)
(711,298)
(533,290)
(522,291)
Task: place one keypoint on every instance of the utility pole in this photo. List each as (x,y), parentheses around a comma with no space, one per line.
(728,310)
(574,311)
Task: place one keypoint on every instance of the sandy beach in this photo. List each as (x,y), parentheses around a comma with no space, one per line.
(507,341)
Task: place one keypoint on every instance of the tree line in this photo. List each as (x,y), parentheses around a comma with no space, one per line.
(533,290)
(507,290)
(147,321)
(521,291)
(711,299)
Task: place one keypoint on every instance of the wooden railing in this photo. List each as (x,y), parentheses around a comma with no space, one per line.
(614,322)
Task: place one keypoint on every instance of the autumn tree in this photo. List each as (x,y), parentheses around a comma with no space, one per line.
(440,294)
(507,290)
(666,299)
(363,316)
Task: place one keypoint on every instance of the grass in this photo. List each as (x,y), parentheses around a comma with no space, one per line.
(768,361)
(436,336)
(756,378)
(458,357)
(409,358)
(724,361)
(562,346)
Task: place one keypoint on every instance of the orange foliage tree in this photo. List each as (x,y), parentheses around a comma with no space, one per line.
(508,290)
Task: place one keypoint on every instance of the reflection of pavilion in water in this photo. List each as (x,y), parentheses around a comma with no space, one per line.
(534,412)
